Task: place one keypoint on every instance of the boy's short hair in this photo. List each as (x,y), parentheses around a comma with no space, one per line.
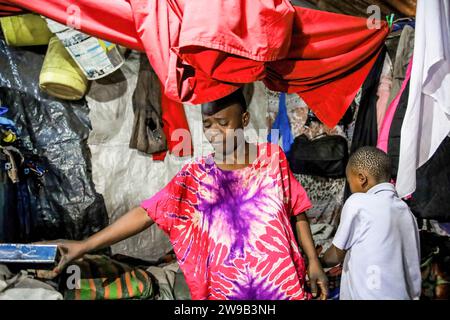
(237,97)
(373,161)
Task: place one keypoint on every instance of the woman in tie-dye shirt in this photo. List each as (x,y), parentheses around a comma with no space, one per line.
(228,218)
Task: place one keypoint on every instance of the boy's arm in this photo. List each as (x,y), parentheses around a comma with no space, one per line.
(316,274)
(346,234)
(333,256)
(126,226)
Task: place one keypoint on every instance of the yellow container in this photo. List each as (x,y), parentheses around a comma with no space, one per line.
(26,30)
(60,75)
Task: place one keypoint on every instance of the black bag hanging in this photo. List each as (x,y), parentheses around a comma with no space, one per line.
(324,156)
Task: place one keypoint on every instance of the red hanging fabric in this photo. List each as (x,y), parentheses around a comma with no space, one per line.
(6,9)
(330,57)
(110,20)
(118,28)
(324,57)
(174,118)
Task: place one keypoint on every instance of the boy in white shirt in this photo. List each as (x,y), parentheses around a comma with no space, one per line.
(377,238)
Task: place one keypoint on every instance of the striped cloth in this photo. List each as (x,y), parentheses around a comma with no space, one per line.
(103,278)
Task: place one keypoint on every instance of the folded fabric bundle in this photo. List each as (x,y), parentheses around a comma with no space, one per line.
(25,30)
(60,76)
(103,278)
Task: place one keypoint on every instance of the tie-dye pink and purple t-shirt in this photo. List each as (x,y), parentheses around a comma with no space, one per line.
(231,230)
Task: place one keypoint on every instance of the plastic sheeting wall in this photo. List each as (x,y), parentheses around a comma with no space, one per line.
(125,176)
(56,132)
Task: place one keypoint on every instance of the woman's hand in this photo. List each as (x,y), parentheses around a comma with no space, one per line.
(318,279)
(70,251)
(130,224)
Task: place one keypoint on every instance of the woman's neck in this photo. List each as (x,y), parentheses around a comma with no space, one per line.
(240,158)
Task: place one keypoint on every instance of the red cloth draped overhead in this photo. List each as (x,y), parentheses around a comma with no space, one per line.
(6,9)
(329,59)
(202,50)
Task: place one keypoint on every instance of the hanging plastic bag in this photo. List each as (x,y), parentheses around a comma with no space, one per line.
(62,203)
(96,58)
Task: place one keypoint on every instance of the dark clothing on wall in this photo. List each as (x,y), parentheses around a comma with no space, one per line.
(366,128)
(430,200)
(395,131)
(9,226)
(147,135)
(366,125)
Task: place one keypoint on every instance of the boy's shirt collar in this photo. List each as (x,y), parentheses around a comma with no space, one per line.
(385,186)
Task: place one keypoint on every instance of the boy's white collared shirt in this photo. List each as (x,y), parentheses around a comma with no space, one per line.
(380,235)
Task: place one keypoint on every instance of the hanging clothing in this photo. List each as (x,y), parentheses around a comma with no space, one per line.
(322,56)
(427,118)
(366,128)
(384,90)
(433,178)
(175,128)
(393,141)
(283,126)
(430,199)
(147,135)
(391,43)
(9,220)
(110,103)
(383,135)
(328,61)
(402,57)
(231,229)
(401,24)
(326,195)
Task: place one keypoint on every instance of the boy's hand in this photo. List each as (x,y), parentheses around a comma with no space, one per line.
(318,279)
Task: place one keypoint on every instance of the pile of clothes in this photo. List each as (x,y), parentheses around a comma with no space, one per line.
(98,277)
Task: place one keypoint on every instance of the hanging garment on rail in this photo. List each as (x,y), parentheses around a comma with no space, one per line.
(322,56)
(427,118)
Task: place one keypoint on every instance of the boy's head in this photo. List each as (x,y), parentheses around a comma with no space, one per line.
(224,120)
(367,167)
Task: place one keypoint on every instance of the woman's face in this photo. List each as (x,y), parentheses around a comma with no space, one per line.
(224,129)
